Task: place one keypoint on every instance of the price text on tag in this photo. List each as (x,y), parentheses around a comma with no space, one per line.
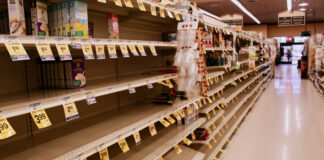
(123,145)
(137,138)
(63,51)
(17,51)
(40,118)
(70,111)
(112,51)
(45,52)
(104,154)
(141,5)
(6,130)
(124,51)
(100,51)
(141,50)
(87,51)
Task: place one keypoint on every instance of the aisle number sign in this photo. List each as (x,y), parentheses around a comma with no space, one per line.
(40,118)
(132,48)
(17,51)
(104,154)
(152,130)
(45,52)
(153,51)
(153,10)
(162,13)
(87,51)
(6,130)
(124,51)
(118,3)
(128,3)
(123,145)
(63,51)
(112,51)
(177,149)
(100,51)
(141,50)
(70,111)
(137,137)
(141,5)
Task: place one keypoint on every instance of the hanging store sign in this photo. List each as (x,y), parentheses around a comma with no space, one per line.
(234,19)
(291,18)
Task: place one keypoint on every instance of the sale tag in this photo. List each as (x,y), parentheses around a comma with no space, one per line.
(63,51)
(6,130)
(193,136)
(137,138)
(100,51)
(213,97)
(17,51)
(189,110)
(70,111)
(162,14)
(104,154)
(177,16)
(153,51)
(132,48)
(209,100)
(187,141)
(153,10)
(112,51)
(170,119)
(45,52)
(177,116)
(141,5)
(128,3)
(214,126)
(123,145)
(168,82)
(209,145)
(214,112)
(214,139)
(208,116)
(164,122)
(177,149)
(141,50)
(40,118)
(124,50)
(118,3)
(181,112)
(90,98)
(152,129)
(87,51)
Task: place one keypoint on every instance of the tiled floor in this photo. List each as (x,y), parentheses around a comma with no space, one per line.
(287,122)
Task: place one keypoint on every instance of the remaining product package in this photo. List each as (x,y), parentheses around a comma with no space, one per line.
(79,19)
(91,30)
(113,26)
(65,12)
(59,19)
(39,19)
(75,73)
(17,22)
(50,19)
(55,20)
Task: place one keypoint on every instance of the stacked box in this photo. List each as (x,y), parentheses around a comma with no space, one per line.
(65,13)
(75,73)
(17,22)
(50,19)
(79,19)
(55,27)
(39,19)
(113,26)
(59,19)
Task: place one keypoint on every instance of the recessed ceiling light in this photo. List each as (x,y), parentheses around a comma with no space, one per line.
(303,4)
(302,9)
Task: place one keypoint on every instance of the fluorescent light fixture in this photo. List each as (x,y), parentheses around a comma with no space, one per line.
(209,14)
(303,4)
(238,4)
(302,9)
(289,5)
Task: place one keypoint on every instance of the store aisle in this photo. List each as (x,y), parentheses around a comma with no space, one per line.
(287,122)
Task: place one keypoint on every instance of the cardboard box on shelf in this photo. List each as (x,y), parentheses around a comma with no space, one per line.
(79,19)
(66,29)
(39,19)
(17,23)
(75,73)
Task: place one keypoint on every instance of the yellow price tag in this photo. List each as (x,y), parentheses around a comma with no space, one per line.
(176,80)
(211,81)
(189,110)
(100,51)
(112,51)
(164,122)
(214,126)
(176,15)
(124,50)
(45,52)
(137,138)
(128,3)
(132,48)
(209,100)
(17,51)
(152,130)
(219,108)
(177,116)
(196,106)
(162,13)
(168,82)
(218,94)
(214,139)
(123,145)
(177,149)
(87,51)
(104,154)
(70,111)
(141,5)
(63,51)
(214,111)
(153,10)
(193,136)
(170,119)
(208,130)
(213,97)
(209,145)
(141,50)
(161,158)
(204,101)
(6,130)
(187,141)
(40,118)
(153,51)
(102,1)
(118,3)
(208,116)
(181,112)
(200,104)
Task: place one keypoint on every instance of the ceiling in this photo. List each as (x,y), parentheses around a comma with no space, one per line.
(265,10)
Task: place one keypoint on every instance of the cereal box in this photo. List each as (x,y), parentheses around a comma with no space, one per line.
(66,30)
(79,19)
(75,73)
(17,23)
(39,19)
